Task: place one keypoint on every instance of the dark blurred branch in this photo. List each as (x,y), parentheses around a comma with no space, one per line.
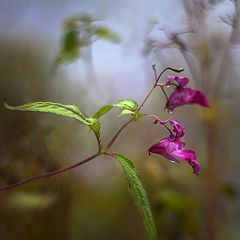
(183,48)
(50,173)
(227,19)
(234,39)
(174,41)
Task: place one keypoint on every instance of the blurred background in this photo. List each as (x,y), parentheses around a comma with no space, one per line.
(39,62)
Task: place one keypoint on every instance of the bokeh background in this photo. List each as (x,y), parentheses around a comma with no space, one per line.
(92,201)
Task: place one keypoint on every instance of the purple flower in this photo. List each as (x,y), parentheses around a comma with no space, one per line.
(177,128)
(182,95)
(171,148)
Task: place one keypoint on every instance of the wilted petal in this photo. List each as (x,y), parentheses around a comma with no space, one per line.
(182,81)
(177,128)
(186,96)
(190,157)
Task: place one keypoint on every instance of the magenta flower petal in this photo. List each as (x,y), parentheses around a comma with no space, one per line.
(201,99)
(182,96)
(190,157)
(177,128)
(182,81)
(166,146)
(172,148)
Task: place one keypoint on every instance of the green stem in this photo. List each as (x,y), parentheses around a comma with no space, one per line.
(99,142)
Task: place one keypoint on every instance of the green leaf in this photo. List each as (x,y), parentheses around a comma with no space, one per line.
(139,195)
(71,46)
(95,125)
(103,110)
(105,33)
(139,115)
(57,108)
(126,111)
(30,201)
(127,104)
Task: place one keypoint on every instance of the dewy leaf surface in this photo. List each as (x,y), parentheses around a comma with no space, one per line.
(139,195)
(57,108)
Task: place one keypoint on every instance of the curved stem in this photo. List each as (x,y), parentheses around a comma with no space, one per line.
(99,143)
(50,173)
(141,105)
(156,83)
(100,152)
(169,68)
(117,134)
(159,120)
(164,92)
(145,99)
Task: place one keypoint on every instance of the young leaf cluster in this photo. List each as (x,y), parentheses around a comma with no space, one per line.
(127,107)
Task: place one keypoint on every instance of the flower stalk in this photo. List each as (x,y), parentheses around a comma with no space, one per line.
(163,147)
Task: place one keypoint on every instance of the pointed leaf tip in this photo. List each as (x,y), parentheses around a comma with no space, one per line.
(60,109)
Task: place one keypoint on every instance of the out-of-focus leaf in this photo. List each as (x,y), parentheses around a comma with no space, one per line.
(105,33)
(139,195)
(71,46)
(58,108)
(85,18)
(175,201)
(27,200)
(76,21)
(77,34)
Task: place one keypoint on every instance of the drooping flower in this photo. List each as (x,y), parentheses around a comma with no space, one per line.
(177,128)
(171,148)
(182,95)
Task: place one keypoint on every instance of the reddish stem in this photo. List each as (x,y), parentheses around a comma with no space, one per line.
(99,145)
(159,120)
(50,173)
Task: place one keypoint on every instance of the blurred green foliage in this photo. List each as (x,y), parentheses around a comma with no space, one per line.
(80,32)
(92,202)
